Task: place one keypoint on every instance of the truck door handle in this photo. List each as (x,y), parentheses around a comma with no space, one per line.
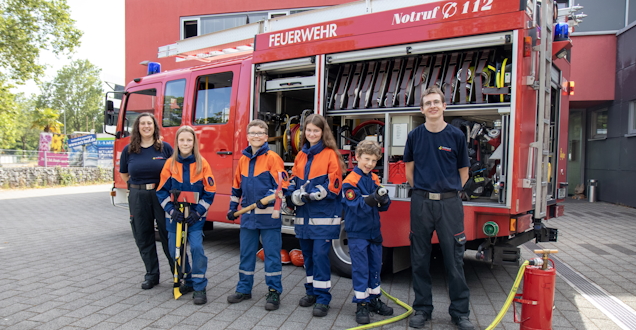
(224,152)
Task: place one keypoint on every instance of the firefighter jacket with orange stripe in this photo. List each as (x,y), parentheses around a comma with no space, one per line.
(256,177)
(313,167)
(361,220)
(183,177)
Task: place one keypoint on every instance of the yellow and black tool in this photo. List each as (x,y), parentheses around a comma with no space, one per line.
(182,201)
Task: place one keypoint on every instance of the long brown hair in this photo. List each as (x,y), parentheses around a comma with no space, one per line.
(135,137)
(195,149)
(327,136)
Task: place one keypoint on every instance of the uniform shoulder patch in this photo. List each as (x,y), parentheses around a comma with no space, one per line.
(350,194)
(210,181)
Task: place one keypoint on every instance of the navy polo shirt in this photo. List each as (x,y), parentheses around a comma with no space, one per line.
(437,157)
(144,167)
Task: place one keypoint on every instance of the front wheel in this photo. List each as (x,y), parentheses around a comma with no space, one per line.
(339,254)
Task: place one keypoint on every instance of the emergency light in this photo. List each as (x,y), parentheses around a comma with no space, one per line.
(154,67)
(561,32)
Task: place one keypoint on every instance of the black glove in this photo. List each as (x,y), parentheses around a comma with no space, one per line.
(230,215)
(306,198)
(260,205)
(381,199)
(193,218)
(370,200)
(176,215)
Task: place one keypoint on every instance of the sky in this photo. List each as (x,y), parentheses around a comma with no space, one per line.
(102,22)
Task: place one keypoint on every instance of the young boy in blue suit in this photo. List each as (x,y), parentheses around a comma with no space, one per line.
(364,198)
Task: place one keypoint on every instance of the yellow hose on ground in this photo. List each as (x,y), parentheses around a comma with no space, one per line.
(511,296)
(409,311)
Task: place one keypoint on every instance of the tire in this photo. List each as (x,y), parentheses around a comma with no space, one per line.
(339,254)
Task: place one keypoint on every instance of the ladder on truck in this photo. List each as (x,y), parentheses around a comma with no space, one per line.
(240,40)
(542,83)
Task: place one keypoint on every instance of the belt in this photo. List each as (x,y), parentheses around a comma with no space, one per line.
(437,196)
(147,186)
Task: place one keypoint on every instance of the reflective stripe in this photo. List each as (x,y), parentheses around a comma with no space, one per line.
(310,279)
(374,290)
(274,274)
(198,275)
(234,199)
(165,202)
(322,284)
(245,272)
(319,221)
(204,204)
(361,295)
(268,210)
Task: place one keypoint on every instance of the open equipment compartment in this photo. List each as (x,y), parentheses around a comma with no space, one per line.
(365,92)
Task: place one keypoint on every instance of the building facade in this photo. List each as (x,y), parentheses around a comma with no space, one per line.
(602,128)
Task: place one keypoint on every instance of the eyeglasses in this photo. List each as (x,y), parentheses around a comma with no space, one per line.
(437,103)
(258,134)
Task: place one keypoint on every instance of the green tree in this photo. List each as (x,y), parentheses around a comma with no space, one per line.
(29,26)
(32,121)
(76,92)
(8,113)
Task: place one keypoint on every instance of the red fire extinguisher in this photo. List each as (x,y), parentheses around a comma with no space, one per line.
(537,298)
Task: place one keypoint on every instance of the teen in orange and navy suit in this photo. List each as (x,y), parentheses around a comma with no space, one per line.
(257,176)
(315,190)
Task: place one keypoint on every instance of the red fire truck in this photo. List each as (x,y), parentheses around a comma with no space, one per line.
(364,65)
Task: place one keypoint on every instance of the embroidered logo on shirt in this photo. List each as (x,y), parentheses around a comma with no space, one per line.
(210,181)
(350,194)
(158,158)
(445,148)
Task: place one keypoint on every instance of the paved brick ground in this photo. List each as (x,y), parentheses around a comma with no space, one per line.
(69,262)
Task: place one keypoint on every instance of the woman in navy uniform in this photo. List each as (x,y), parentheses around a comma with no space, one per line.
(315,190)
(140,165)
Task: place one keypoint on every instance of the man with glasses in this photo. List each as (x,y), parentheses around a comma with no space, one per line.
(257,176)
(436,157)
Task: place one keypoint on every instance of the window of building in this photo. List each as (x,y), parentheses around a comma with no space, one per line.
(631,129)
(599,124)
(190,28)
(213,99)
(173,103)
(200,25)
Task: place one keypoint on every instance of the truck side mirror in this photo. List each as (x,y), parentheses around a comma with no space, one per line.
(110,116)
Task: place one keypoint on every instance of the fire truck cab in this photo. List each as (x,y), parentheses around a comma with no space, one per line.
(364,66)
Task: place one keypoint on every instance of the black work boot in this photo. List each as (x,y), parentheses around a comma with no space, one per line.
(200,297)
(149,284)
(362,314)
(307,301)
(237,297)
(377,306)
(273,300)
(320,310)
(419,319)
(463,323)
(185,289)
